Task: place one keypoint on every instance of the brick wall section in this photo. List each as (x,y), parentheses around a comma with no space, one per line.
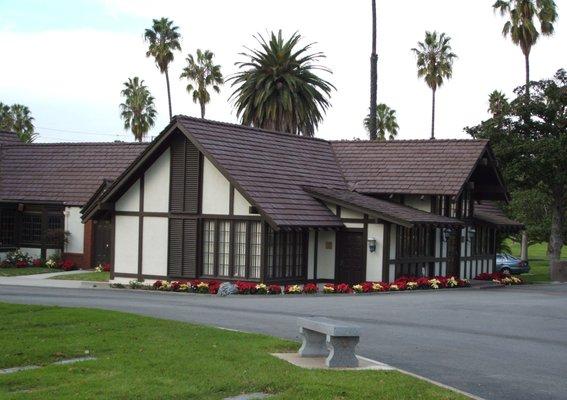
(84,260)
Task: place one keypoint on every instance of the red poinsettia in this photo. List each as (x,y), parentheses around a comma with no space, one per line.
(310,288)
(274,289)
(343,288)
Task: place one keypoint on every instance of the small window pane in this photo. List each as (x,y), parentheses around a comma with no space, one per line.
(224,248)
(31,228)
(255,249)
(208,247)
(240,249)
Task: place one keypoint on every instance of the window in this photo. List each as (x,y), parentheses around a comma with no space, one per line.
(7,227)
(55,233)
(255,249)
(287,250)
(31,228)
(224,248)
(240,249)
(208,247)
(482,243)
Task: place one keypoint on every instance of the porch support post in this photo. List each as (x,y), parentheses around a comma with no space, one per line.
(386,253)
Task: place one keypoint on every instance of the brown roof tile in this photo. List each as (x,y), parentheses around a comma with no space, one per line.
(488,211)
(61,172)
(408,166)
(387,210)
(8,138)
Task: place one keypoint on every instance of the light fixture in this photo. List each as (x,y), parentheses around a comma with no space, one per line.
(446,234)
(372,244)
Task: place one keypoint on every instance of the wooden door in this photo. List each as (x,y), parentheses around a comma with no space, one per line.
(102,241)
(350,260)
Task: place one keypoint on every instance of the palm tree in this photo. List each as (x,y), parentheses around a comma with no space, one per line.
(202,73)
(386,122)
(373,77)
(434,63)
(497,103)
(277,88)
(163,39)
(17,118)
(137,111)
(521,27)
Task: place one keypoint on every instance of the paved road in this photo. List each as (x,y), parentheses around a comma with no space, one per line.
(498,344)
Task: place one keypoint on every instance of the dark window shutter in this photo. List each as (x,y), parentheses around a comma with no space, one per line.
(185,170)
(175,251)
(189,248)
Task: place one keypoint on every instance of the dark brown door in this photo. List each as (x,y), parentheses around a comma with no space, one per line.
(453,253)
(351,267)
(102,241)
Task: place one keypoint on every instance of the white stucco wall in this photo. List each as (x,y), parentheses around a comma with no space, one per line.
(326,257)
(156,184)
(348,213)
(374,260)
(216,190)
(332,207)
(76,229)
(130,201)
(416,202)
(126,244)
(241,205)
(154,249)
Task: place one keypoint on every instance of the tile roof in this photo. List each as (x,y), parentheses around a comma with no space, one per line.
(488,211)
(408,166)
(383,209)
(271,167)
(61,172)
(8,138)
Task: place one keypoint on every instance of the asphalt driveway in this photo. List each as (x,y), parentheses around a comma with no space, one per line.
(498,344)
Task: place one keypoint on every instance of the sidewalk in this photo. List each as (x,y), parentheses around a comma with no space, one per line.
(43,280)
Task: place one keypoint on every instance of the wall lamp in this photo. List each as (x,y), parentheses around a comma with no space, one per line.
(372,244)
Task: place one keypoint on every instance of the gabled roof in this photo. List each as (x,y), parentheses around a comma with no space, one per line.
(271,170)
(9,138)
(65,173)
(489,212)
(408,166)
(392,212)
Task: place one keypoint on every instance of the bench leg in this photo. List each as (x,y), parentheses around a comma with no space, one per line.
(314,344)
(342,352)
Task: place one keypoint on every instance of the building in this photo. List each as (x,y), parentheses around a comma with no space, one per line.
(42,189)
(213,200)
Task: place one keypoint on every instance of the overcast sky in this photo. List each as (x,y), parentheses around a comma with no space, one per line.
(67,59)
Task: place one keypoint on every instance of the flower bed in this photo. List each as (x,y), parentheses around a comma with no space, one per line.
(498,277)
(17,259)
(252,288)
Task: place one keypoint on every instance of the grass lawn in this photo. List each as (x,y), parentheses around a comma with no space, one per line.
(539,263)
(87,276)
(26,271)
(146,358)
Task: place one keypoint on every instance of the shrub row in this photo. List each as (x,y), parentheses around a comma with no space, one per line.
(17,259)
(244,288)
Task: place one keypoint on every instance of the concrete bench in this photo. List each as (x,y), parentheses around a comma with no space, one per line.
(325,337)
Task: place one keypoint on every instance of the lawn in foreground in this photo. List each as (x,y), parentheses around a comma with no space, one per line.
(87,276)
(147,358)
(26,271)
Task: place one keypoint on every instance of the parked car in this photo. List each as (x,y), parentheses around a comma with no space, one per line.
(507,264)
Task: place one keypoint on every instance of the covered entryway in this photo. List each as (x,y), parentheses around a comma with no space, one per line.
(102,241)
(350,261)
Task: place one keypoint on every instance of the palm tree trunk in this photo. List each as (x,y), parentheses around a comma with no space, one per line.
(527,61)
(202,109)
(168,93)
(433,114)
(373,77)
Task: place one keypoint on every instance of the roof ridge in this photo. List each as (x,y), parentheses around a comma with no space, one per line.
(408,141)
(73,144)
(244,127)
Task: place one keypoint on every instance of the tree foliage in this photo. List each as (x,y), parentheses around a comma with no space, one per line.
(434,64)
(277,87)
(202,73)
(530,140)
(386,122)
(163,38)
(137,110)
(17,118)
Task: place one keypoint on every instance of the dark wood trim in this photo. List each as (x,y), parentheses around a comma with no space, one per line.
(365,247)
(141,228)
(386,253)
(315,254)
(263,252)
(188,215)
(112,245)
(231,200)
